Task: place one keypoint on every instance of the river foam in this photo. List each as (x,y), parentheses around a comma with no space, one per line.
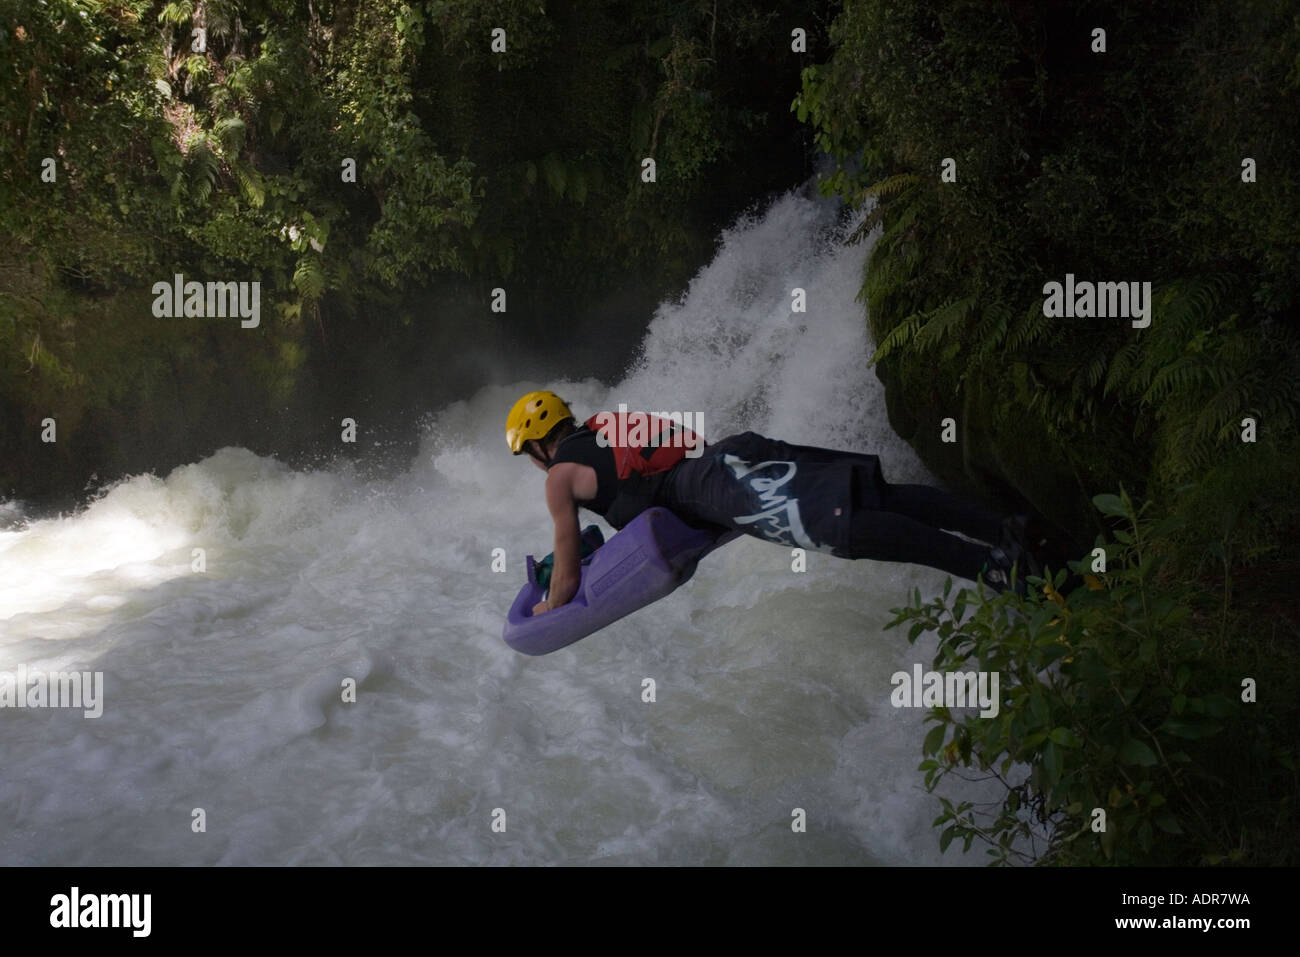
(224,689)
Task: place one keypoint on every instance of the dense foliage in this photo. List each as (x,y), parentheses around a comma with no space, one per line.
(1116,166)
(1123,165)
(212,138)
(1126,718)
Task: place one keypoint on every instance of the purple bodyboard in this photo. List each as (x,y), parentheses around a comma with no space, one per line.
(653,555)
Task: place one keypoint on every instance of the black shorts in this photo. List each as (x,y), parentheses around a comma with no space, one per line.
(799,496)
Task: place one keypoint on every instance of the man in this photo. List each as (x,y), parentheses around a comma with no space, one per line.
(793,495)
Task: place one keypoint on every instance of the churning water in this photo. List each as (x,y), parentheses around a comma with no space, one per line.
(222,689)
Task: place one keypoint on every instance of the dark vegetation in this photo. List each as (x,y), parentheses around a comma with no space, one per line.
(474,170)
(1123,165)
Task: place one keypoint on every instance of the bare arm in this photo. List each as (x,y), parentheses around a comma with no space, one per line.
(565,577)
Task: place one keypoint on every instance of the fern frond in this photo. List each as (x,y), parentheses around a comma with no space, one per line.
(1180,375)
(1219,416)
(201,170)
(891,185)
(220,17)
(939,322)
(230,132)
(906,218)
(176,13)
(1096,369)
(898,337)
(1031,326)
(309,277)
(243,78)
(1116,379)
(869,222)
(1182,314)
(992,330)
(250,183)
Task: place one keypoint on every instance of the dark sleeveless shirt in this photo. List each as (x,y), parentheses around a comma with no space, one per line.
(617,501)
(580,447)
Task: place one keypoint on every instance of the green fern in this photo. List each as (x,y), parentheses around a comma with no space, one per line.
(891,185)
(1096,369)
(176,14)
(243,78)
(1181,318)
(940,322)
(898,337)
(251,183)
(309,277)
(1030,328)
(220,17)
(991,332)
(1120,366)
(894,262)
(1218,416)
(201,169)
(197,72)
(1182,374)
(869,222)
(230,132)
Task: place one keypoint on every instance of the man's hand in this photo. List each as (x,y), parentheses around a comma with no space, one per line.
(561,585)
(564,583)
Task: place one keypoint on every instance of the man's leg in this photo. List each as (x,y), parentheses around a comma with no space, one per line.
(905,523)
(939,509)
(891,537)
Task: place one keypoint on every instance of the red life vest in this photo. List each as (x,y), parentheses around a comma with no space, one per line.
(667,442)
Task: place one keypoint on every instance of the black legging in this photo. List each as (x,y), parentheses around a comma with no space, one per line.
(908,527)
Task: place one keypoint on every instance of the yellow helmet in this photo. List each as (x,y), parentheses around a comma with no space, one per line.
(533,417)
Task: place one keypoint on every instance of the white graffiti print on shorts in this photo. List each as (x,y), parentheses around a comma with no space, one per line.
(779,521)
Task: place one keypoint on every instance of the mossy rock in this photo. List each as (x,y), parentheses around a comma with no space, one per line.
(1009,469)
